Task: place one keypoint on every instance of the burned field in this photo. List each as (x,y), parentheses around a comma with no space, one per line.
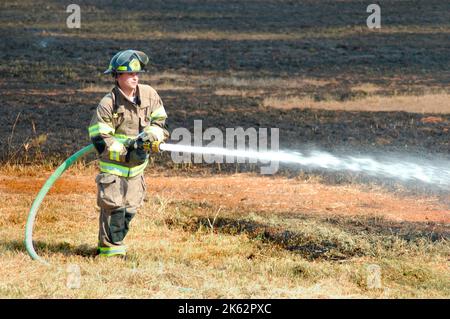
(310,68)
(257,64)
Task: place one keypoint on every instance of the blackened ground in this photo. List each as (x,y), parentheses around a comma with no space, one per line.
(51,76)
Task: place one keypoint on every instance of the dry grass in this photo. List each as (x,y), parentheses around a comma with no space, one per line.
(242,93)
(367,88)
(429,103)
(93,88)
(235,81)
(119,33)
(172,87)
(240,82)
(197,248)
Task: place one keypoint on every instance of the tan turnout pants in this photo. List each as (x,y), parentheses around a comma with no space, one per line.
(118,198)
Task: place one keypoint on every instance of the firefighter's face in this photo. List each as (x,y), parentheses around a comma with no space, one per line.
(128,81)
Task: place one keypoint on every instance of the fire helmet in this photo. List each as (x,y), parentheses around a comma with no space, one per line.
(127,61)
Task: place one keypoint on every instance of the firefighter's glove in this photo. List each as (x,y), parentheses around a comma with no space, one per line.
(149,145)
(136,156)
(143,144)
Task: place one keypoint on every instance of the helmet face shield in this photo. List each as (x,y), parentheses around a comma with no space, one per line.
(124,56)
(143,58)
(128,61)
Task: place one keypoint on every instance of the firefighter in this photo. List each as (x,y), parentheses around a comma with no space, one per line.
(128,110)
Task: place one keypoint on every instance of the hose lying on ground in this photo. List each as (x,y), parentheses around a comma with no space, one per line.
(38,200)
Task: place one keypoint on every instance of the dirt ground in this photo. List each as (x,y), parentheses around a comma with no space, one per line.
(249,192)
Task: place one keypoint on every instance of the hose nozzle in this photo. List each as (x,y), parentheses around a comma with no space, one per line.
(156,146)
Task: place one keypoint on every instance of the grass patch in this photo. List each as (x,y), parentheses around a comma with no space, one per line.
(429,103)
(183,249)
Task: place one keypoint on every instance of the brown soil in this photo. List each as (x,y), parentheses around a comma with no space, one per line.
(247,193)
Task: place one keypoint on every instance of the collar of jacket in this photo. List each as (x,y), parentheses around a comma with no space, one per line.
(122,98)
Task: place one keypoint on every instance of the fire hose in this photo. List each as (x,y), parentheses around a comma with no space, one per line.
(46,187)
(435,174)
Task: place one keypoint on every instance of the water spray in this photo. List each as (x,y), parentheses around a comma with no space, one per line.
(438,175)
